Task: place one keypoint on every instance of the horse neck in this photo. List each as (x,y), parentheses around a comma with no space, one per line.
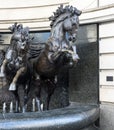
(58,32)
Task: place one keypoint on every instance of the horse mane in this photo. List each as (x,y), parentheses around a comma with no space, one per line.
(19,29)
(35,50)
(62,10)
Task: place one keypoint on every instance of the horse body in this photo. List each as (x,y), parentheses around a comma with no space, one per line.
(57,45)
(14,66)
(58,52)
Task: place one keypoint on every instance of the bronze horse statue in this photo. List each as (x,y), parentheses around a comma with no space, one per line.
(15,54)
(14,62)
(44,63)
(65,20)
(58,52)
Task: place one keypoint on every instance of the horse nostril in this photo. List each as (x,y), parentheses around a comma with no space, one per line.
(73,24)
(74,38)
(70,39)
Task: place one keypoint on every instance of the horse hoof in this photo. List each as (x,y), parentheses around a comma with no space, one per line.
(75,57)
(12,87)
(23,110)
(2,75)
(42,107)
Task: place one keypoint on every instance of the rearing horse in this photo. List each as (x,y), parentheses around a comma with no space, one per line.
(65,20)
(14,63)
(58,51)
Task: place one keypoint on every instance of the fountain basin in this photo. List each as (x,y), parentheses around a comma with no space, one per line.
(73,117)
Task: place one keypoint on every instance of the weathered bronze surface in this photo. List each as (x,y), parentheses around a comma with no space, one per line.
(25,64)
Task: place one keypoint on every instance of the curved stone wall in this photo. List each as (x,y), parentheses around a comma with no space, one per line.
(31,13)
(35,14)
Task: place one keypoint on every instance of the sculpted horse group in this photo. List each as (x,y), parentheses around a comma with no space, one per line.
(27,64)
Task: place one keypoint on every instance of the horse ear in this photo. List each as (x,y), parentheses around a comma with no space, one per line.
(78,12)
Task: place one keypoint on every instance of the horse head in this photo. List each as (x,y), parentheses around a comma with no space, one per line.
(65,22)
(20,36)
(71,23)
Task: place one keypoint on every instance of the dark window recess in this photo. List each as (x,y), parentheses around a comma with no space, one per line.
(39,37)
(109,78)
(81,76)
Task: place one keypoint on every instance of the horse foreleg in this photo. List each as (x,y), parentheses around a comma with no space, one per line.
(38,104)
(13,84)
(25,98)
(3,68)
(24,108)
(17,106)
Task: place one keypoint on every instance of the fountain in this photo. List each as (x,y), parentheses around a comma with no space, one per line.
(35,95)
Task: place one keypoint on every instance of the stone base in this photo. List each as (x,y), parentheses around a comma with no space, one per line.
(74,117)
